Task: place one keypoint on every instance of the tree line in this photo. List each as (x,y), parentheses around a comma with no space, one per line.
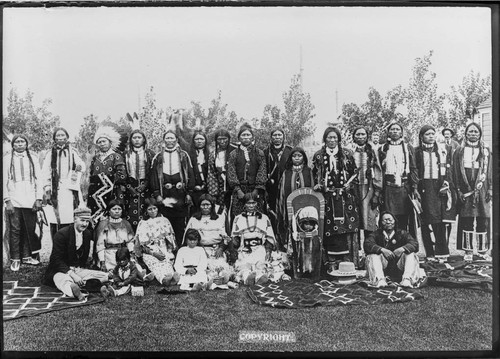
(412,105)
(419,102)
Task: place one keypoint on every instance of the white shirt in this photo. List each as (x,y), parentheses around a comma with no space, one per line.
(78,239)
(470,157)
(171,162)
(19,187)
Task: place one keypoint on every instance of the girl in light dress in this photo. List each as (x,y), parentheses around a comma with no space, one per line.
(191,263)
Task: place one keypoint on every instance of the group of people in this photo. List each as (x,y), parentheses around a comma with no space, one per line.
(203,219)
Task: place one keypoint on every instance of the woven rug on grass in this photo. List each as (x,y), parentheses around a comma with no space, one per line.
(457,273)
(300,294)
(21,302)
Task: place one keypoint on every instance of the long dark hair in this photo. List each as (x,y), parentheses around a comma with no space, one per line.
(207,197)
(329,129)
(115,202)
(32,164)
(219,133)
(192,233)
(148,203)
(289,162)
(145,143)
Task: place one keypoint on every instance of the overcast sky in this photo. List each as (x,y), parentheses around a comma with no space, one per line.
(102,60)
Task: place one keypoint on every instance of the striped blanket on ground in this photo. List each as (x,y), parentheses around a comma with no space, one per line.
(301,294)
(30,301)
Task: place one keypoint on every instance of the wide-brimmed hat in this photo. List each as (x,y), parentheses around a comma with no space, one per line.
(448,129)
(346,274)
(346,269)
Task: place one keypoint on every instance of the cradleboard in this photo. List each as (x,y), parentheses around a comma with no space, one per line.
(305,204)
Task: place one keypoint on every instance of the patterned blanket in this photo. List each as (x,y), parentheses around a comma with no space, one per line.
(460,274)
(300,294)
(30,301)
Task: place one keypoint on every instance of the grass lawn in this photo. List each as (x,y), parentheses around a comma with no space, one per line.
(445,320)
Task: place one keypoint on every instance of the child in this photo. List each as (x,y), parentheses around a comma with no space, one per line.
(306,243)
(191,263)
(125,274)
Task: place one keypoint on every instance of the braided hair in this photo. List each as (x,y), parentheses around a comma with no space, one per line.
(32,165)
(219,133)
(369,150)
(340,153)
(55,175)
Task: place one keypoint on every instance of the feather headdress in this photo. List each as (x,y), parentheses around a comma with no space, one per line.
(110,133)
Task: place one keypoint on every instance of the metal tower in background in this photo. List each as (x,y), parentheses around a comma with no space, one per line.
(301,73)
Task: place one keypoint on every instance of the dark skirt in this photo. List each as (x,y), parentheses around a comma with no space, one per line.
(341,217)
(135,205)
(396,200)
(432,202)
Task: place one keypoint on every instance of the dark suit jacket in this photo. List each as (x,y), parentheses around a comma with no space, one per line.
(376,241)
(64,252)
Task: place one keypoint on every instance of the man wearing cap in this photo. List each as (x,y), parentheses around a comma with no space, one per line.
(449,142)
(67,269)
(61,169)
(399,175)
(393,252)
(22,195)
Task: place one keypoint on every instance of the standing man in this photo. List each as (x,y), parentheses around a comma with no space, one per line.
(61,171)
(172,183)
(448,135)
(218,186)
(107,172)
(22,195)
(399,175)
(246,172)
(67,270)
(198,153)
(276,156)
(369,180)
(473,182)
(435,188)
(375,142)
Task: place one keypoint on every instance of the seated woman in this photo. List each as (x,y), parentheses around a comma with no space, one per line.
(113,233)
(191,264)
(254,237)
(214,239)
(155,244)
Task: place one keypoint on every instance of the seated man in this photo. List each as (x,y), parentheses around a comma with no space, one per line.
(70,253)
(392,250)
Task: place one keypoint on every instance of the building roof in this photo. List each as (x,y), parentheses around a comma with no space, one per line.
(485,104)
